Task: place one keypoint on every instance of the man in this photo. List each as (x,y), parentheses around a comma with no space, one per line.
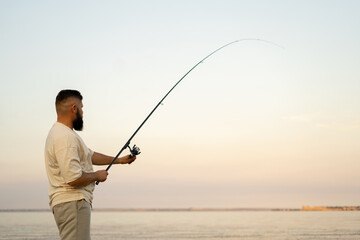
(69,165)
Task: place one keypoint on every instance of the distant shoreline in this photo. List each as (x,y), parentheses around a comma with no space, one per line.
(163,209)
(305,208)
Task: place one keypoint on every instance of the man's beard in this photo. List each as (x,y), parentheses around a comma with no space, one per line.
(78,122)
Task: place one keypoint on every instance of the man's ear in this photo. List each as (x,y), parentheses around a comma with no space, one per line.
(73,108)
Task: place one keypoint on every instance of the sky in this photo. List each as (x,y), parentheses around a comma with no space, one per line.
(255,125)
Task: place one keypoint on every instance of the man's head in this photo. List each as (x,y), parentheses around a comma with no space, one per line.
(69,108)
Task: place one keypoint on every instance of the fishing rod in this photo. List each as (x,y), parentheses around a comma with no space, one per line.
(135,150)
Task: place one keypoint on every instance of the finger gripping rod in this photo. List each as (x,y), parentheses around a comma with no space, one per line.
(132,136)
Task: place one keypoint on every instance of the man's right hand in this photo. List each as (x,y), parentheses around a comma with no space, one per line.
(101,175)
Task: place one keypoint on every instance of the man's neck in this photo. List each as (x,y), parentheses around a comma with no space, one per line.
(66,122)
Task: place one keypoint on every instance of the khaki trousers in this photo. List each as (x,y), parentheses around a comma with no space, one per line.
(73,220)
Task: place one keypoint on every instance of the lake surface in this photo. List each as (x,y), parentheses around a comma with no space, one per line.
(247,225)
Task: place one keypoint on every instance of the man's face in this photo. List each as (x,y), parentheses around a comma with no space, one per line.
(78,122)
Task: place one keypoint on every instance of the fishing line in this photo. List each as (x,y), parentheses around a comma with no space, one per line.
(135,150)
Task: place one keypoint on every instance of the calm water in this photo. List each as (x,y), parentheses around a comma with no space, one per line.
(192,225)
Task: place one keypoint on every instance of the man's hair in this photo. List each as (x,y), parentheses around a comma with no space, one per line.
(67,93)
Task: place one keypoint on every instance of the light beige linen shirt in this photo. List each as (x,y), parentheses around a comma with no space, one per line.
(66,157)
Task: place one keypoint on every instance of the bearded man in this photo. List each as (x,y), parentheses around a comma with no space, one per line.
(69,165)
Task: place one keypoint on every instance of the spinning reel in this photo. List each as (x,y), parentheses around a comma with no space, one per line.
(134,151)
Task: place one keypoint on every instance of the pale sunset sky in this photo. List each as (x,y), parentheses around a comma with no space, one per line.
(255,125)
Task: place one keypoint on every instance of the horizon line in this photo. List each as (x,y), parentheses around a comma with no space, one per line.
(197,209)
(165,209)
